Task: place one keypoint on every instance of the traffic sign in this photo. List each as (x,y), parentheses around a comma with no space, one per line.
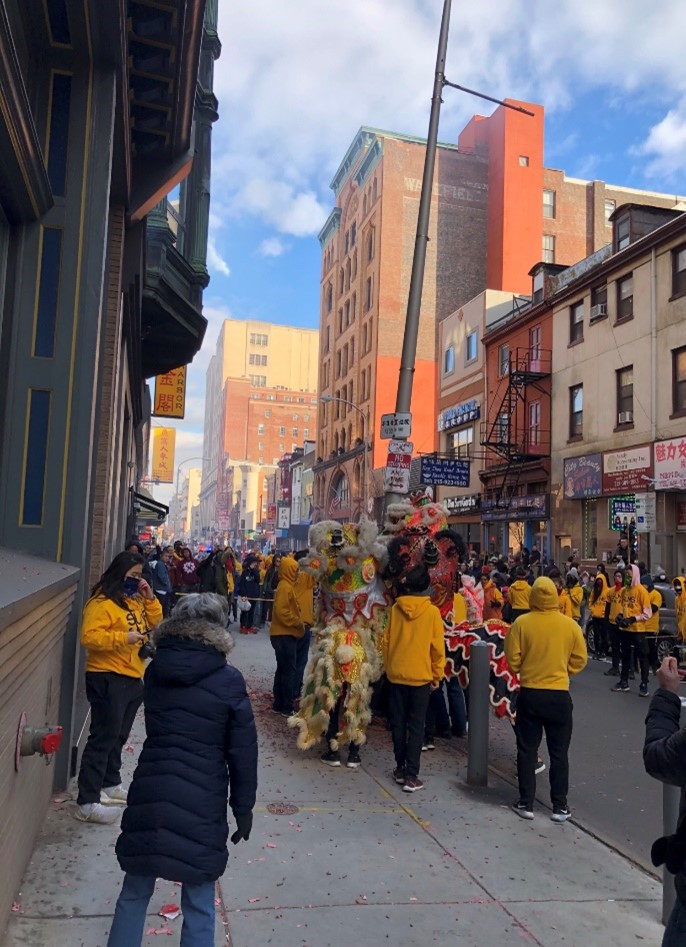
(398,466)
(396,425)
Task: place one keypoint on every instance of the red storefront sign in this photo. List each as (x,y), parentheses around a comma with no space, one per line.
(627,471)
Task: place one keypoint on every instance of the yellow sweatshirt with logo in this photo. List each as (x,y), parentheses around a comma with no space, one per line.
(543,646)
(286,616)
(680,608)
(519,594)
(564,603)
(614,598)
(104,629)
(598,603)
(635,602)
(576,597)
(414,649)
(653,623)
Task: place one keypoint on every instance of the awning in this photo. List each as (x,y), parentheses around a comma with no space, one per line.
(149,511)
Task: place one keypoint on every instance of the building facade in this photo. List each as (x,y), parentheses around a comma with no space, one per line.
(496,211)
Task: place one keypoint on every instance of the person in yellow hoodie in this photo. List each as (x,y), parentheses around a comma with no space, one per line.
(679,586)
(564,602)
(614,610)
(545,648)
(414,659)
(652,627)
(635,611)
(598,602)
(286,629)
(117,619)
(518,594)
(493,597)
(575,593)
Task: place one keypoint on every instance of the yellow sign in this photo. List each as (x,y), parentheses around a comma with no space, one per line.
(163,444)
(170,394)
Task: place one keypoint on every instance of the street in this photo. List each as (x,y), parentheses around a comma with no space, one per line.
(610,793)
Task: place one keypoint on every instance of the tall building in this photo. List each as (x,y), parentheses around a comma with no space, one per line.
(260,402)
(496,211)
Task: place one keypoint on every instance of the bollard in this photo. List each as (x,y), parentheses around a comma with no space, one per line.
(671,798)
(479,714)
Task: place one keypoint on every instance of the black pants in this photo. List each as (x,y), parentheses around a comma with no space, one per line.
(600,633)
(114,700)
(334,722)
(637,640)
(539,711)
(165,602)
(285,648)
(301,657)
(613,634)
(248,618)
(437,719)
(407,711)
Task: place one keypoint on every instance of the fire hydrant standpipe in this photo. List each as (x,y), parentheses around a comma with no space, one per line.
(31,740)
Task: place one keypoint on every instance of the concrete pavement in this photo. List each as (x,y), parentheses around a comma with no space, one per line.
(342,856)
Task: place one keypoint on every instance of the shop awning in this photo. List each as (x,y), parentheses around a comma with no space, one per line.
(149,511)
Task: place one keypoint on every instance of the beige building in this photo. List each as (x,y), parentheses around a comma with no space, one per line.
(619,392)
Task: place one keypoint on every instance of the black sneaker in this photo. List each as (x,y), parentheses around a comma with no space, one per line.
(611,672)
(540,767)
(643,690)
(353,759)
(331,758)
(632,675)
(621,687)
(399,775)
(522,810)
(560,815)
(429,744)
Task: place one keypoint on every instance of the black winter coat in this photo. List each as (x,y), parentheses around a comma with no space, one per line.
(249,583)
(664,754)
(200,740)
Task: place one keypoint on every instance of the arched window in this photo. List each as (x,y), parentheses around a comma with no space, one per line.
(341,281)
(364,206)
(343,440)
(370,246)
(340,493)
(350,436)
(374,191)
(354,273)
(335,442)
(347,275)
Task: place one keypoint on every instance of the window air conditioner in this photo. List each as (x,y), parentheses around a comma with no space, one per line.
(625,417)
(600,309)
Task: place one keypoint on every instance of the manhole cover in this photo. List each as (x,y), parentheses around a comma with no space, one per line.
(282,808)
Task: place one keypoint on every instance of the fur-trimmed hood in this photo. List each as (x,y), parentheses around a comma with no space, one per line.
(186,651)
(199,630)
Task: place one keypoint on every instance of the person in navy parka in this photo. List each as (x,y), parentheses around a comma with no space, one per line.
(201,742)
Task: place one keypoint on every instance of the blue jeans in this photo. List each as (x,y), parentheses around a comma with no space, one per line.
(197,906)
(457,707)
(675,932)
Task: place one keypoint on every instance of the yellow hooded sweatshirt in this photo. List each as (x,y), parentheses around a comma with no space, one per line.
(304,592)
(598,602)
(636,601)
(414,649)
(680,608)
(286,616)
(105,627)
(653,623)
(519,594)
(543,646)
(493,600)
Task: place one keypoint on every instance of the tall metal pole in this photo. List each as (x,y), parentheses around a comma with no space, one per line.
(409,353)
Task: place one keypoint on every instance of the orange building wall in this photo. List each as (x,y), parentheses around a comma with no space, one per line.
(423,408)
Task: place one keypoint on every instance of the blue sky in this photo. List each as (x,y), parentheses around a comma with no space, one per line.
(296,80)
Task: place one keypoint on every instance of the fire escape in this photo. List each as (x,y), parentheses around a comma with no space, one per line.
(509,431)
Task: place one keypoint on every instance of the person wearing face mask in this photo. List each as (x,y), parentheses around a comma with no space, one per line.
(120,613)
(636,610)
(493,598)
(679,586)
(564,602)
(598,601)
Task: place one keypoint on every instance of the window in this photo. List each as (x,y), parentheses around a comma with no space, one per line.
(548,255)
(461,442)
(347,241)
(265,340)
(306,433)
(549,204)
(348,272)
(268,413)
(679,379)
(523,161)
(260,460)
(327,340)
(625,298)
(347,314)
(294,432)
(260,428)
(370,293)
(260,445)
(449,361)
(370,334)
(502,427)
(341,281)
(353,308)
(534,347)
(340,321)
(282,447)
(353,233)
(306,417)
(576,323)
(295,417)
(259,381)
(364,338)
(598,302)
(251,358)
(534,424)
(470,348)
(576,411)
(679,270)
(625,395)
(340,490)
(622,232)
(354,274)
(282,431)
(338,364)
(352,351)
(503,360)
(370,246)
(609,210)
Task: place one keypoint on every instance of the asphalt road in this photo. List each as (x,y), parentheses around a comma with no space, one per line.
(610,792)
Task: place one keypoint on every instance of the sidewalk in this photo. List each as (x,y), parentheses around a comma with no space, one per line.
(341,856)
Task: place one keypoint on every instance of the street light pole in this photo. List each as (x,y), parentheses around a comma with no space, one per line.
(188,460)
(328,399)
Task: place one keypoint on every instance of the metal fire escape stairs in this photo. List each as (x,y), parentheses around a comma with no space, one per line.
(507,432)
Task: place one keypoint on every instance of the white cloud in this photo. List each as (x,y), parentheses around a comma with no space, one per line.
(665,145)
(215,261)
(272,246)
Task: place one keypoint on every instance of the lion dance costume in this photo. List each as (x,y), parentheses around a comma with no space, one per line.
(418,533)
(347,561)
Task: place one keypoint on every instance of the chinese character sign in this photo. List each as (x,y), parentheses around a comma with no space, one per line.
(625,470)
(670,464)
(170,394)
(163,444)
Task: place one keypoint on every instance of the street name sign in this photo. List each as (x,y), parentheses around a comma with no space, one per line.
(396,425)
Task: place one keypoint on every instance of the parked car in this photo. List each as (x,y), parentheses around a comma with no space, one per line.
(666,637)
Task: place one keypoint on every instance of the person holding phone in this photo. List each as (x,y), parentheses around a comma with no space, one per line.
(117,620)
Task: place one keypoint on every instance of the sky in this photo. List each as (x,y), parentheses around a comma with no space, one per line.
(296,80)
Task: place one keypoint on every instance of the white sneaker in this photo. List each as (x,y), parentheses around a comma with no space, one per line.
(95,812)
(113,796)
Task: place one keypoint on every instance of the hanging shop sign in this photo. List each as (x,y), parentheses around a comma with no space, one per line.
(170,394)
(583,476)
(627,470)
(163,444)
(670,464)
(445,472)
(460,414)
(461,505)
(284,517)
(622,512)
(534,507)
(398,467)
(646,512)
